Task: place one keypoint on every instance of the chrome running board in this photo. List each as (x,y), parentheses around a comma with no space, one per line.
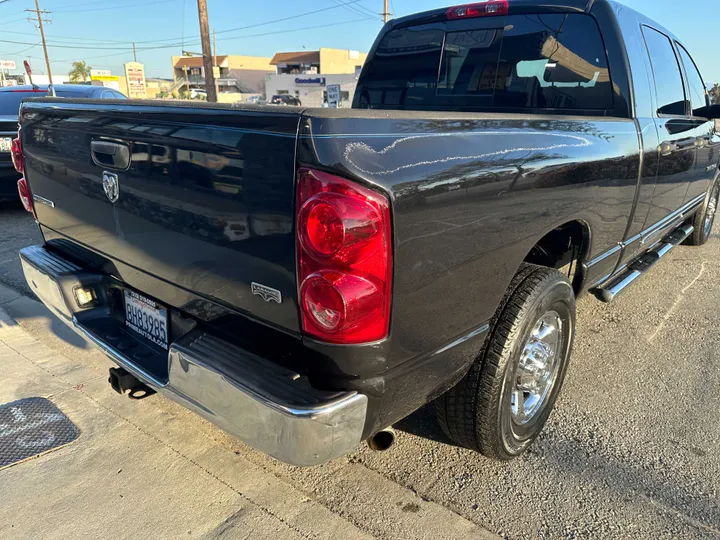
(638,267)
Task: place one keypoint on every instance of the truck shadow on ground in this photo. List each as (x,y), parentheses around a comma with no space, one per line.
(423,423)
(32,311)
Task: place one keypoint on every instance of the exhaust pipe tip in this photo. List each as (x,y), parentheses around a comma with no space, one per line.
(382,440)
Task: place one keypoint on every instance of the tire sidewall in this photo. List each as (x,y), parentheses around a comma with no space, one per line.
(557,295)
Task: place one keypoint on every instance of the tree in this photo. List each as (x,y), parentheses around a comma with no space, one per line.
(715,94)
(80,71)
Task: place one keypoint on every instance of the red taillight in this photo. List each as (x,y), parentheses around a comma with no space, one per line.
(482,9)
(344,259)
(17,155)
(25,196)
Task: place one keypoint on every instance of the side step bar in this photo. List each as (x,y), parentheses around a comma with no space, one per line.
(616,284)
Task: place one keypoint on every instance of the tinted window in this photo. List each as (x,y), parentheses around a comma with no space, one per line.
(10,101)
(668,81)
(74,94)
(530,61)
(698,95)
(403,72)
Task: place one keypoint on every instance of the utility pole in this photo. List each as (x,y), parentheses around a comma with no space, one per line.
(217,82)
(39,13)
(207,52)
(134,53)
(386,11)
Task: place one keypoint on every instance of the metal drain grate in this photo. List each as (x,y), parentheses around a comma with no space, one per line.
(30,427)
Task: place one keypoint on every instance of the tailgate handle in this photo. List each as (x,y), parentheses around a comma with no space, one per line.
(110,154)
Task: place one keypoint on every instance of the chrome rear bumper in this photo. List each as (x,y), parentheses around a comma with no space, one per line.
(253,399)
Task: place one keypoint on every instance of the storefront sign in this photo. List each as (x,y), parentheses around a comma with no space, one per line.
(105,78)
(7,64)
(318,81)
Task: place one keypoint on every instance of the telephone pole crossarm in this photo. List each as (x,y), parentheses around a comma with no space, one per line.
(39,20)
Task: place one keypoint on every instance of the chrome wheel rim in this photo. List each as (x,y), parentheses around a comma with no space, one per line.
(537,369)
(710,211)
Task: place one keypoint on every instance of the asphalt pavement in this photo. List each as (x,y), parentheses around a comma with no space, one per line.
(632,450)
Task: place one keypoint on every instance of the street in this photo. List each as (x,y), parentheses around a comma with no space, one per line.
(632,450)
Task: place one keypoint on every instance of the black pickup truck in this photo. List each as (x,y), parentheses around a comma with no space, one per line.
(304,278)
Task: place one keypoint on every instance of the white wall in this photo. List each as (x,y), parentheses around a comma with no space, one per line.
(43,79)
(311,95)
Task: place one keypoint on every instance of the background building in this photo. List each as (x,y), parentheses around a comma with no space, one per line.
(244,75)
(310,89)
(324,61)
(306,74)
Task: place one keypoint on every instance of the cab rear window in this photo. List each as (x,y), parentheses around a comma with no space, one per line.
(550,61)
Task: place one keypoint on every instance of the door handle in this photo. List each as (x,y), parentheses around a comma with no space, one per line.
(667,148)
(111,155)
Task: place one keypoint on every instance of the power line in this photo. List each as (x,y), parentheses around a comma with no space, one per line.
(124,6)
(39,14)
(315,27)
(182,38)
(91,4)
(356,9)
(21,51)
(256,25)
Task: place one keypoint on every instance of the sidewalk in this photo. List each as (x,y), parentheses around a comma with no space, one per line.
(148,469)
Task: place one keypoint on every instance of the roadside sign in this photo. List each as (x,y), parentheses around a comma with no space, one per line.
(333,95)
(28,70)
(135,76)
(216,72)
(7,64)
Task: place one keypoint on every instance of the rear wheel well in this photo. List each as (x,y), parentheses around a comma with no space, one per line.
(564,249)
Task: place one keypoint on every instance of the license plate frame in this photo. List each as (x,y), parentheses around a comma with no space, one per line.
(5,145)
(146,318)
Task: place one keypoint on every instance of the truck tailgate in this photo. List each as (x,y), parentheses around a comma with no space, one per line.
(204,202)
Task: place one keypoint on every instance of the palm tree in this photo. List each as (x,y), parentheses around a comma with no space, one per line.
(715,94)
(80,71)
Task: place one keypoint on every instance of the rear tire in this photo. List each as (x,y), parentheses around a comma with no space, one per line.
(705,217)
(502,404)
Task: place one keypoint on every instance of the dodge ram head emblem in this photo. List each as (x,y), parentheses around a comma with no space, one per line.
(266,293)
(111,185)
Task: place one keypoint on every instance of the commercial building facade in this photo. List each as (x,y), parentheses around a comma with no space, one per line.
(238,74)
(306,75)
(311,90)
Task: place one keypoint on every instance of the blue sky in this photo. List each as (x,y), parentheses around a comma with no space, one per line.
(105,28)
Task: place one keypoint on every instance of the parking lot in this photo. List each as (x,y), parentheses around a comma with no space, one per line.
(632,450)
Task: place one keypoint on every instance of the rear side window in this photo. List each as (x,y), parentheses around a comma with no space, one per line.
(698,94)
(666,70)
(551,61)
(404,70)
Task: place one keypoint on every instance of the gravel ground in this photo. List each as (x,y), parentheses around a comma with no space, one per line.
(17,230)
(632,451)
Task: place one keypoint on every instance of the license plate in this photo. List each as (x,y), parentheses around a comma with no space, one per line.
(5,144)
(146,318)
